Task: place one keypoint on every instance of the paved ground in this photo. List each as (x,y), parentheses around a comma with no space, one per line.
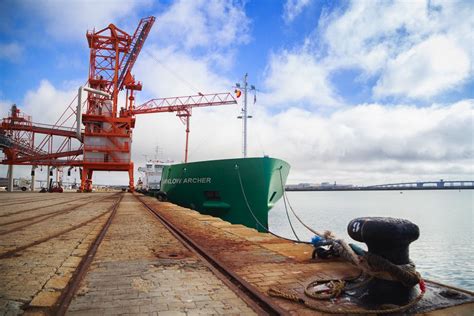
(265,261)
(140,268)
(36,275)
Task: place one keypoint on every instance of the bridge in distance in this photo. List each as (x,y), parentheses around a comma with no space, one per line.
(419,185)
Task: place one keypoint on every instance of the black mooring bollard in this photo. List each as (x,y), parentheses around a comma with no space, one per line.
(389,238)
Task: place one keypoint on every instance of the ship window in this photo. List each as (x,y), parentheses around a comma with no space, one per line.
(273,195)
(212,195)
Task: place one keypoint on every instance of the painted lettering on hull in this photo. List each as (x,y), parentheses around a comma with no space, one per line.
(187,181)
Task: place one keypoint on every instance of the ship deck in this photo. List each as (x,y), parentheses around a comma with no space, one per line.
(107,253)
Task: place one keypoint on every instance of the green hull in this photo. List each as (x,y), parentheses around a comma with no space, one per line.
(240,191)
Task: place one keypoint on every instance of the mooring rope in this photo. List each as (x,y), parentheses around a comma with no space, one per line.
(337,288)
(294,213)
(255,217)
(369,264)
(286,208)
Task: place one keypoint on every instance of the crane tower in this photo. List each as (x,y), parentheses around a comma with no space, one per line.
(107,136)
(104,132)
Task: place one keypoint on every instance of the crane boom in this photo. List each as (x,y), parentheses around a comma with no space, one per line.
(138,39)
(183,106)
(178,104)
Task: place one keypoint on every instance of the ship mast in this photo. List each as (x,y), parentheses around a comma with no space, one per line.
(244,114)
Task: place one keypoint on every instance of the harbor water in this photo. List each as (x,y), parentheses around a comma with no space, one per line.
(444,252)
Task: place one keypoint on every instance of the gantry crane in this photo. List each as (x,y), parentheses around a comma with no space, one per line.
(105,142)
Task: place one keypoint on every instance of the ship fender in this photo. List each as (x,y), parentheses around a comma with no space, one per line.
(388,241)
(161,196)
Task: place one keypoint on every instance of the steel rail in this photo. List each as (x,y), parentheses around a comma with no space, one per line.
(29,200)
(35,209)
(73,284)
(50,216)
(261,304)
(11,253)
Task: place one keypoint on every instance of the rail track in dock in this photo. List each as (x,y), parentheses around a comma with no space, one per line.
(260,303)
(14,251)
(25,219)
(35,236)
(35,250)
(32,220)
(143,248)
(27,201)
(73,285)
(34,208)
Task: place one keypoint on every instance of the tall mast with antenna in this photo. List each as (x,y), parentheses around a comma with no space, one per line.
(244,114)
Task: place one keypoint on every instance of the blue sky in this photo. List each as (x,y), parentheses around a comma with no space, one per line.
(355,92)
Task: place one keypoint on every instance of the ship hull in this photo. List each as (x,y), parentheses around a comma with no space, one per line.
(240,191)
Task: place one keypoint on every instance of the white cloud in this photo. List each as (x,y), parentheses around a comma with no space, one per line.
(293,8)
(171,72)
(412,35)
(367,143)
(409,48)
(47,103)
(177,73)
(427,69)
(11,52)
(297,77)
(201,23)
(5,106)
(70,21)
(371,143)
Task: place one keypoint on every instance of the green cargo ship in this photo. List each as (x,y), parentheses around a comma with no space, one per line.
(240,191)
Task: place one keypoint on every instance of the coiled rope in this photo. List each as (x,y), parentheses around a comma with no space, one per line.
(335,290)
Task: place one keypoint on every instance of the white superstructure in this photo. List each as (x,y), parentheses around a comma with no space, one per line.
(152,174)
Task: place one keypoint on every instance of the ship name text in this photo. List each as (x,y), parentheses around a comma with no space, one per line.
(187,180)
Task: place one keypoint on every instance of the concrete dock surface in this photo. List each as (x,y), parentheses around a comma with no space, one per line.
(139,267)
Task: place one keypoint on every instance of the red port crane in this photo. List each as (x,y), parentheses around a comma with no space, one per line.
(183,106)
(105,142)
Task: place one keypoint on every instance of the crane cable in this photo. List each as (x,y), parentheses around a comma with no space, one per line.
(174,73)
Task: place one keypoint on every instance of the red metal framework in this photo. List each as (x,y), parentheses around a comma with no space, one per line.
(107,137)
(17,139)
(105,142)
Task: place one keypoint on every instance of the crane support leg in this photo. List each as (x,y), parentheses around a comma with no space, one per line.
(48,175)
(89,180)
(187,140)
(131,186)
(10,178)
(33,178)
(83,179)
(86,180)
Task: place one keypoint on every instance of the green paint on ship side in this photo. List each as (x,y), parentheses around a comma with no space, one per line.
(240,191)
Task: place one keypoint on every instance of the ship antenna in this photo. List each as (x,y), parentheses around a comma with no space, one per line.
(244,113)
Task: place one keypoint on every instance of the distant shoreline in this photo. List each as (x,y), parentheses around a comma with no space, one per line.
(381,189)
